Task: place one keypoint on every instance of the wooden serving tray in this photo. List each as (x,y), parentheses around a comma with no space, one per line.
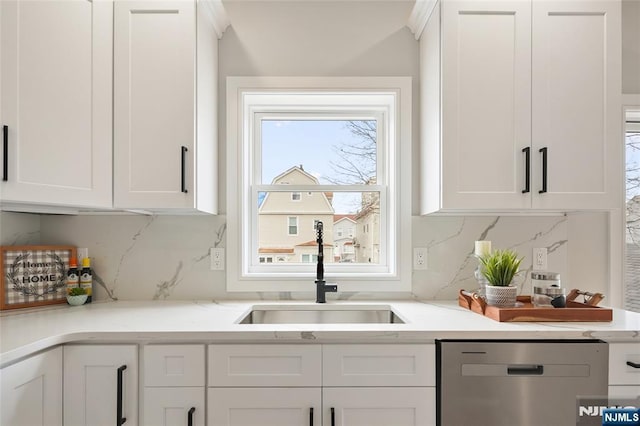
(574,311)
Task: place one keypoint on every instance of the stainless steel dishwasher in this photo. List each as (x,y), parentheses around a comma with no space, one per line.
(517,382)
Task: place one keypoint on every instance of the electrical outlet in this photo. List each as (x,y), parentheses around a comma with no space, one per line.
(540,259)
(420,258)
(217,259)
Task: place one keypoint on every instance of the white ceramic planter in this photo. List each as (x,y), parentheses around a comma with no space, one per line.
(77,300)
(503,296)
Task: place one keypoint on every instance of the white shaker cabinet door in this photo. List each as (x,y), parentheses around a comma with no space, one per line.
(379,406)
(174,406)
(32,391)
(56,102)
(154,104)
(486,104)
(97,380)
(263,406)
(576,113)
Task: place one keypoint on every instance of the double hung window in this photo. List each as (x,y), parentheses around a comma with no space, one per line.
(305,156)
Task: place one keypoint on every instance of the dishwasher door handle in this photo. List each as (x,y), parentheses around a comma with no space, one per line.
(525,370)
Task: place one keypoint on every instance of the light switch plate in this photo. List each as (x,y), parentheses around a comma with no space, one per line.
(217,258)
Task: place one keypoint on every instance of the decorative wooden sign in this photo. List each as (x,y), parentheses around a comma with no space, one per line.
(34,275)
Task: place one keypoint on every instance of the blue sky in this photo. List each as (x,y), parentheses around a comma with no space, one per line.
(286,144)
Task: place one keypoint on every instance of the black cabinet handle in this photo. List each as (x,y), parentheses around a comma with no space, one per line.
(544,170)
(119,419)
(333,416)
(633,364)
(311,416)
(527,169)
(5,153)
(190,416)
(183,177)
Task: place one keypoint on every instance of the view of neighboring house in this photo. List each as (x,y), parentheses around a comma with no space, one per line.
(344,235)
(368,220)
(286,221)
(287,231)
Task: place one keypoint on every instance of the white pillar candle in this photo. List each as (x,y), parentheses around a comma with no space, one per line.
(482,248)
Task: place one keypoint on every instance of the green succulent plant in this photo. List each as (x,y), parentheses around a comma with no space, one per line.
(77,291)
(500,267)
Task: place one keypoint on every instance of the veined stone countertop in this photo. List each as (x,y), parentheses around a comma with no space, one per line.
(24,333)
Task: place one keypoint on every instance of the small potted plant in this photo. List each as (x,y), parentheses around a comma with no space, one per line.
(499,268)
(77,296)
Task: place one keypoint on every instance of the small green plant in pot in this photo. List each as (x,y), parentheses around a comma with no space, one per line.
(499,268)
(77,296)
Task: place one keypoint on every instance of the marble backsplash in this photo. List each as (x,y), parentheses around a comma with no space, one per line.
(167,257)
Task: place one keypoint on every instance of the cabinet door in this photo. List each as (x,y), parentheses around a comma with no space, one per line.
(91,391)
(263,406)
(154,104)
(32,391)
(632,392)
(174,406)
(379,406)
(56,101)
(486,104)
(576,103)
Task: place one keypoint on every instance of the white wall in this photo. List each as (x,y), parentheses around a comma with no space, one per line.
(316,38)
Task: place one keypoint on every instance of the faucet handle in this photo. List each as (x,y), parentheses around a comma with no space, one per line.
(331,288)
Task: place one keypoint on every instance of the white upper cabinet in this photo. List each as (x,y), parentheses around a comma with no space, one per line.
(576,103)
(56,102)
(521,106)
(165,112)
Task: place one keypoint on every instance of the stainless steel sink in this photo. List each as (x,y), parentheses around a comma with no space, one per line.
(321,314)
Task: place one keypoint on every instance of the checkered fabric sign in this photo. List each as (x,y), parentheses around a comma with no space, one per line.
(34,277)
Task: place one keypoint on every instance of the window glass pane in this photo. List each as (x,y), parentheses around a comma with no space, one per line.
(287,229)
(327,151)
(632,278)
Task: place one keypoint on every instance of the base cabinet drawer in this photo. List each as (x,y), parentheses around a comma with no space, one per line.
(264,406)
(173,365)
(378,365)
(264,365)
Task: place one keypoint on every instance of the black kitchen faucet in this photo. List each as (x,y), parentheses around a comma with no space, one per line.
(321,287)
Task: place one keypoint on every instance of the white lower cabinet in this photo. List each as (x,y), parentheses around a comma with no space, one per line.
(330,385)
(624,370)
(379,406)
(100,385)
(174,406)
(174,377)
(264,406)
(31,391)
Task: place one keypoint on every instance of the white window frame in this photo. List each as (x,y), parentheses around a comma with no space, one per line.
(299,196)
(297,225)
(248,96)
(311,257)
